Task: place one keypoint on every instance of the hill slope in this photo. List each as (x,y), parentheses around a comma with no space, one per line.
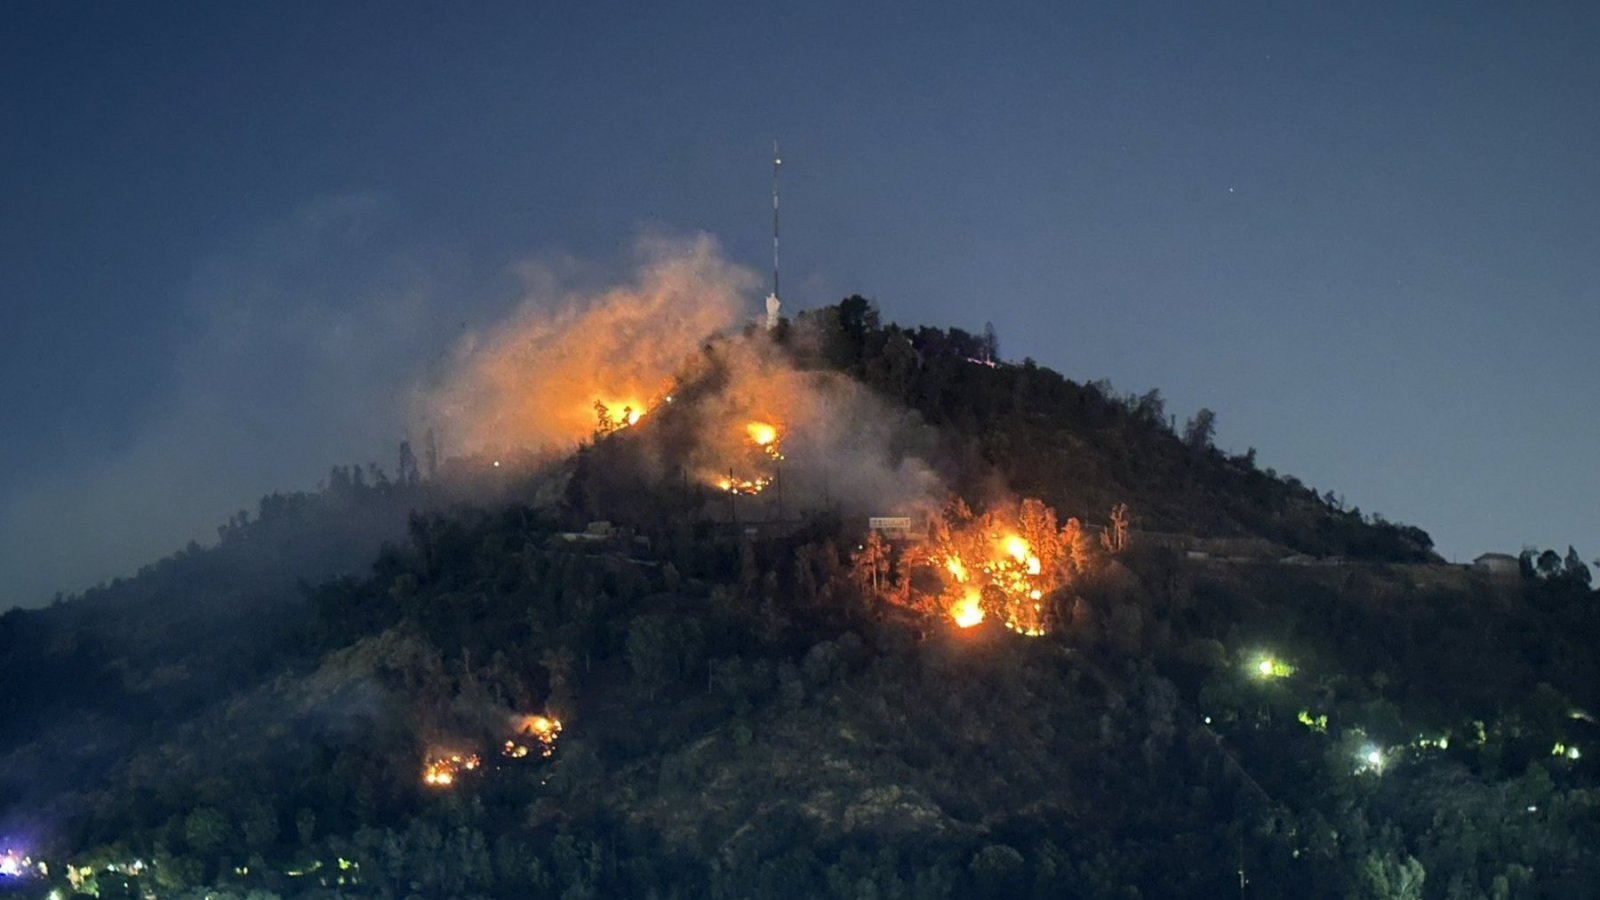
(743,714)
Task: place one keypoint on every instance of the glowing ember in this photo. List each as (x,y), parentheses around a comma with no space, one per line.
(443,771)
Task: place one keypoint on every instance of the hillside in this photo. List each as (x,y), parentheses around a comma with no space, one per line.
(758,696)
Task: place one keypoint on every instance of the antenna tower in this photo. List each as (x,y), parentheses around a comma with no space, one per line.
(773,303)
(777,161)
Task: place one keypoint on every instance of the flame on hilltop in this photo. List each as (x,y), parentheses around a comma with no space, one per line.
(567,357)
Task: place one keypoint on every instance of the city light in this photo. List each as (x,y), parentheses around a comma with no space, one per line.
(1268,666)
(1370,758)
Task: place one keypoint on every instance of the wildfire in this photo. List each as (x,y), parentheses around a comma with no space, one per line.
(542,729)
(746,486)
(956,568)
(968,611)
(617,414)
(765,436)
(1001,565)
(442,771)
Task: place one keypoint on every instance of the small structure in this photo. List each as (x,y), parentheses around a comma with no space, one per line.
(894,528)
(1498,564)
(593,532)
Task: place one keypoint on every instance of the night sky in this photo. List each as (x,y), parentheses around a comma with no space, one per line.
(233,236)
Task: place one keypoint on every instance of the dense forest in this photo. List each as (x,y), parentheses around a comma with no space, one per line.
(585,679)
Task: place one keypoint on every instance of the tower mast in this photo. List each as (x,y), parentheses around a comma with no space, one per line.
(772,300)
(777,161)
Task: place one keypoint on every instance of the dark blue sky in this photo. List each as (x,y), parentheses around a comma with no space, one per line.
(232,234)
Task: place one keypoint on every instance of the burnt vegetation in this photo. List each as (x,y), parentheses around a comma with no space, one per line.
(742,717)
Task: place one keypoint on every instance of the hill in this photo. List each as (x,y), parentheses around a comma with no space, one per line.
(737,688)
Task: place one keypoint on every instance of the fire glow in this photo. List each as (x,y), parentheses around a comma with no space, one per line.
(968,611)
(1000,565)
(617,414)
(543,732)
(442,771)
(763,439)
(746,486)
(765,436)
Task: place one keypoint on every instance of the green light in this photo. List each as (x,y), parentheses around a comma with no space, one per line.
(1271,667)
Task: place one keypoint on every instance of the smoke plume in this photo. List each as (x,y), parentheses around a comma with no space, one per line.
(658,357)
(534,381)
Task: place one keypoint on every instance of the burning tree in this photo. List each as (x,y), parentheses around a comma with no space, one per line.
(1002,566)
(616,415)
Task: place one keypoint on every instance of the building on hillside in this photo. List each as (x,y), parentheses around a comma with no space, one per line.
(1497,564)
(894,528)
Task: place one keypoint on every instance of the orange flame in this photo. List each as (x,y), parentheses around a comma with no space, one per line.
(1016,548)
(544,731)
(442,771)
(955,567)
(747,486)
(999,566)
(967,611)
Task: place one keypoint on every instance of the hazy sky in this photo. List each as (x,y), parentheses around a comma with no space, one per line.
(232,235)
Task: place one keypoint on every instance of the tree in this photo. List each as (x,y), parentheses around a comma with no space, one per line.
(557,661)
(1149,408)
(1200,430)
(649,651)
(1549,564)
(1115,537)
(205,830)
(870,564)
(1575,569)
(1387,878)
